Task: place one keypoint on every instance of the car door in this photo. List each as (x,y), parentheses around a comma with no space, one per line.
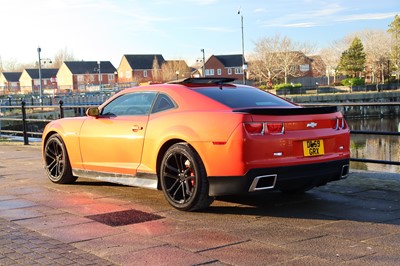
(113,141)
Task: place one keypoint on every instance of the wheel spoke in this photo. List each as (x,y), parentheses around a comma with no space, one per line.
(170,167)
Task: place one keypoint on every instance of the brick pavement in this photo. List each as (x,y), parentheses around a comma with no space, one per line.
(21,246)
(351,222)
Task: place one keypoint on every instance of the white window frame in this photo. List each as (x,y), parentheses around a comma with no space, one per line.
(145,73)
(229,71)
(238,70)
(219,72)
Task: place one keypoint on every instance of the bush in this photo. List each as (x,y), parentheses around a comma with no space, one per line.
(353,82)
(287,86)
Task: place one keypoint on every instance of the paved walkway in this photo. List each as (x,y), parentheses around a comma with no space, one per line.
(350,222)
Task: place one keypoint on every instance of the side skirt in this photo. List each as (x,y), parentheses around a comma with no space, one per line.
(140,180)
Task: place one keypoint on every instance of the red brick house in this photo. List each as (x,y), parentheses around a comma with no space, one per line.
(139,68)
(86,76)
(9,82)
(29,80)
(225,66)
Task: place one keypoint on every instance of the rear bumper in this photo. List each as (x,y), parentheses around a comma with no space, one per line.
(283,178)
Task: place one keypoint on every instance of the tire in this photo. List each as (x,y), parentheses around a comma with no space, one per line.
(57,164)
(184,179)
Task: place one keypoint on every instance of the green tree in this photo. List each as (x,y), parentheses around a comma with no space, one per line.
(394,30)
(352,61)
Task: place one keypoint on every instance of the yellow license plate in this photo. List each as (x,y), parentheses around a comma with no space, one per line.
(313,147)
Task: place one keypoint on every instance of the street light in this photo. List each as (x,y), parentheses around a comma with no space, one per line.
(99,69)
(204,63)
(40,75)
(244,67)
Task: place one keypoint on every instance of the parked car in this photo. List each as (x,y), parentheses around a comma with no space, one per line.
(198,138)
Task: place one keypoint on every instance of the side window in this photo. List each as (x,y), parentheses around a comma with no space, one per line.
(162,103)
(137,103)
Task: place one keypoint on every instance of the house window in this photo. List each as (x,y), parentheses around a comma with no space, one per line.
(45,82)
(36,82)
(81,78)
(128,74)
(209,72)
(238,70)
(229,71)
(121,74)
(219,72)
(111,77)
(145,73)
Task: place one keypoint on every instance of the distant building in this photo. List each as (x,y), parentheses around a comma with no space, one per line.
(86,76)
(30,81)
(9,82)
(224,66)
(139,68)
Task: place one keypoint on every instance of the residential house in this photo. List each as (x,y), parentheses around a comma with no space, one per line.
(225,66)
(9,82)
(310,71)
(86,76)
(139,68)
(318,67)
(30,81)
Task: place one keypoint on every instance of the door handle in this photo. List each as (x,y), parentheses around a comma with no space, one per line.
(136,128)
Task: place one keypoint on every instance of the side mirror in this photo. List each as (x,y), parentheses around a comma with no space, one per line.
(93,111)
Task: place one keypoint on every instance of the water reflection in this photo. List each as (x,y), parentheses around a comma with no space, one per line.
(375,147)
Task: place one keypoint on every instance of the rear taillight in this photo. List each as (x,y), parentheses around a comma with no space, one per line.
(275,128)
(262,128)
(254,128)
(338,123)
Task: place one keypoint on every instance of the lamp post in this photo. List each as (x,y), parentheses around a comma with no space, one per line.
(243,61)
(99,69)
(40,76)
(204,63)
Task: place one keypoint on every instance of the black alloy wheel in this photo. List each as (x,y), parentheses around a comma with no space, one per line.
(183,179)
(57,165)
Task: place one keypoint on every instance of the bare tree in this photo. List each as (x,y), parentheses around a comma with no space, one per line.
(61,56)
(175,69)
(277,58)
(156,70)
(394,30)
(12,65)
(377,51)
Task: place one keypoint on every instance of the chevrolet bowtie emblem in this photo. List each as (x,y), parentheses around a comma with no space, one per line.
(312,124)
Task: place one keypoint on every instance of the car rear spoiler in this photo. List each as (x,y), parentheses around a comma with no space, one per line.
(289,111)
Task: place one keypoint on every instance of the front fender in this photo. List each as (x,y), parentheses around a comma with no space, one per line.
(68,129)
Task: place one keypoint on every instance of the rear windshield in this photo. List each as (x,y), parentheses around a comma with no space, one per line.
(240,97)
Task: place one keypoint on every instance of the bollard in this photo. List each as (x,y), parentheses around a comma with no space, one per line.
(24,130)
(61,108)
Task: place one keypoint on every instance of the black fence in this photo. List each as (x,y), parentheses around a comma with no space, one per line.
(19,114)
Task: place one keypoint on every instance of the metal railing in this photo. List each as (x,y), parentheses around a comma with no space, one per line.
(382,133)
(61,111)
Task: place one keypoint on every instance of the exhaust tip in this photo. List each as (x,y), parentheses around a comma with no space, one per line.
(263,182)
(345,171)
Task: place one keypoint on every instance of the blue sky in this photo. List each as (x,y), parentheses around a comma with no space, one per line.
(178,29)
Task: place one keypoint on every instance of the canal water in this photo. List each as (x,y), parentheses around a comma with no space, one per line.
(376,147)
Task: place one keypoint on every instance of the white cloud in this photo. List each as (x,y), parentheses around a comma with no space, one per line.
(367,16)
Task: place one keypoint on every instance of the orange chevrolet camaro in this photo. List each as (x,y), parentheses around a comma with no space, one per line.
(198,138)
